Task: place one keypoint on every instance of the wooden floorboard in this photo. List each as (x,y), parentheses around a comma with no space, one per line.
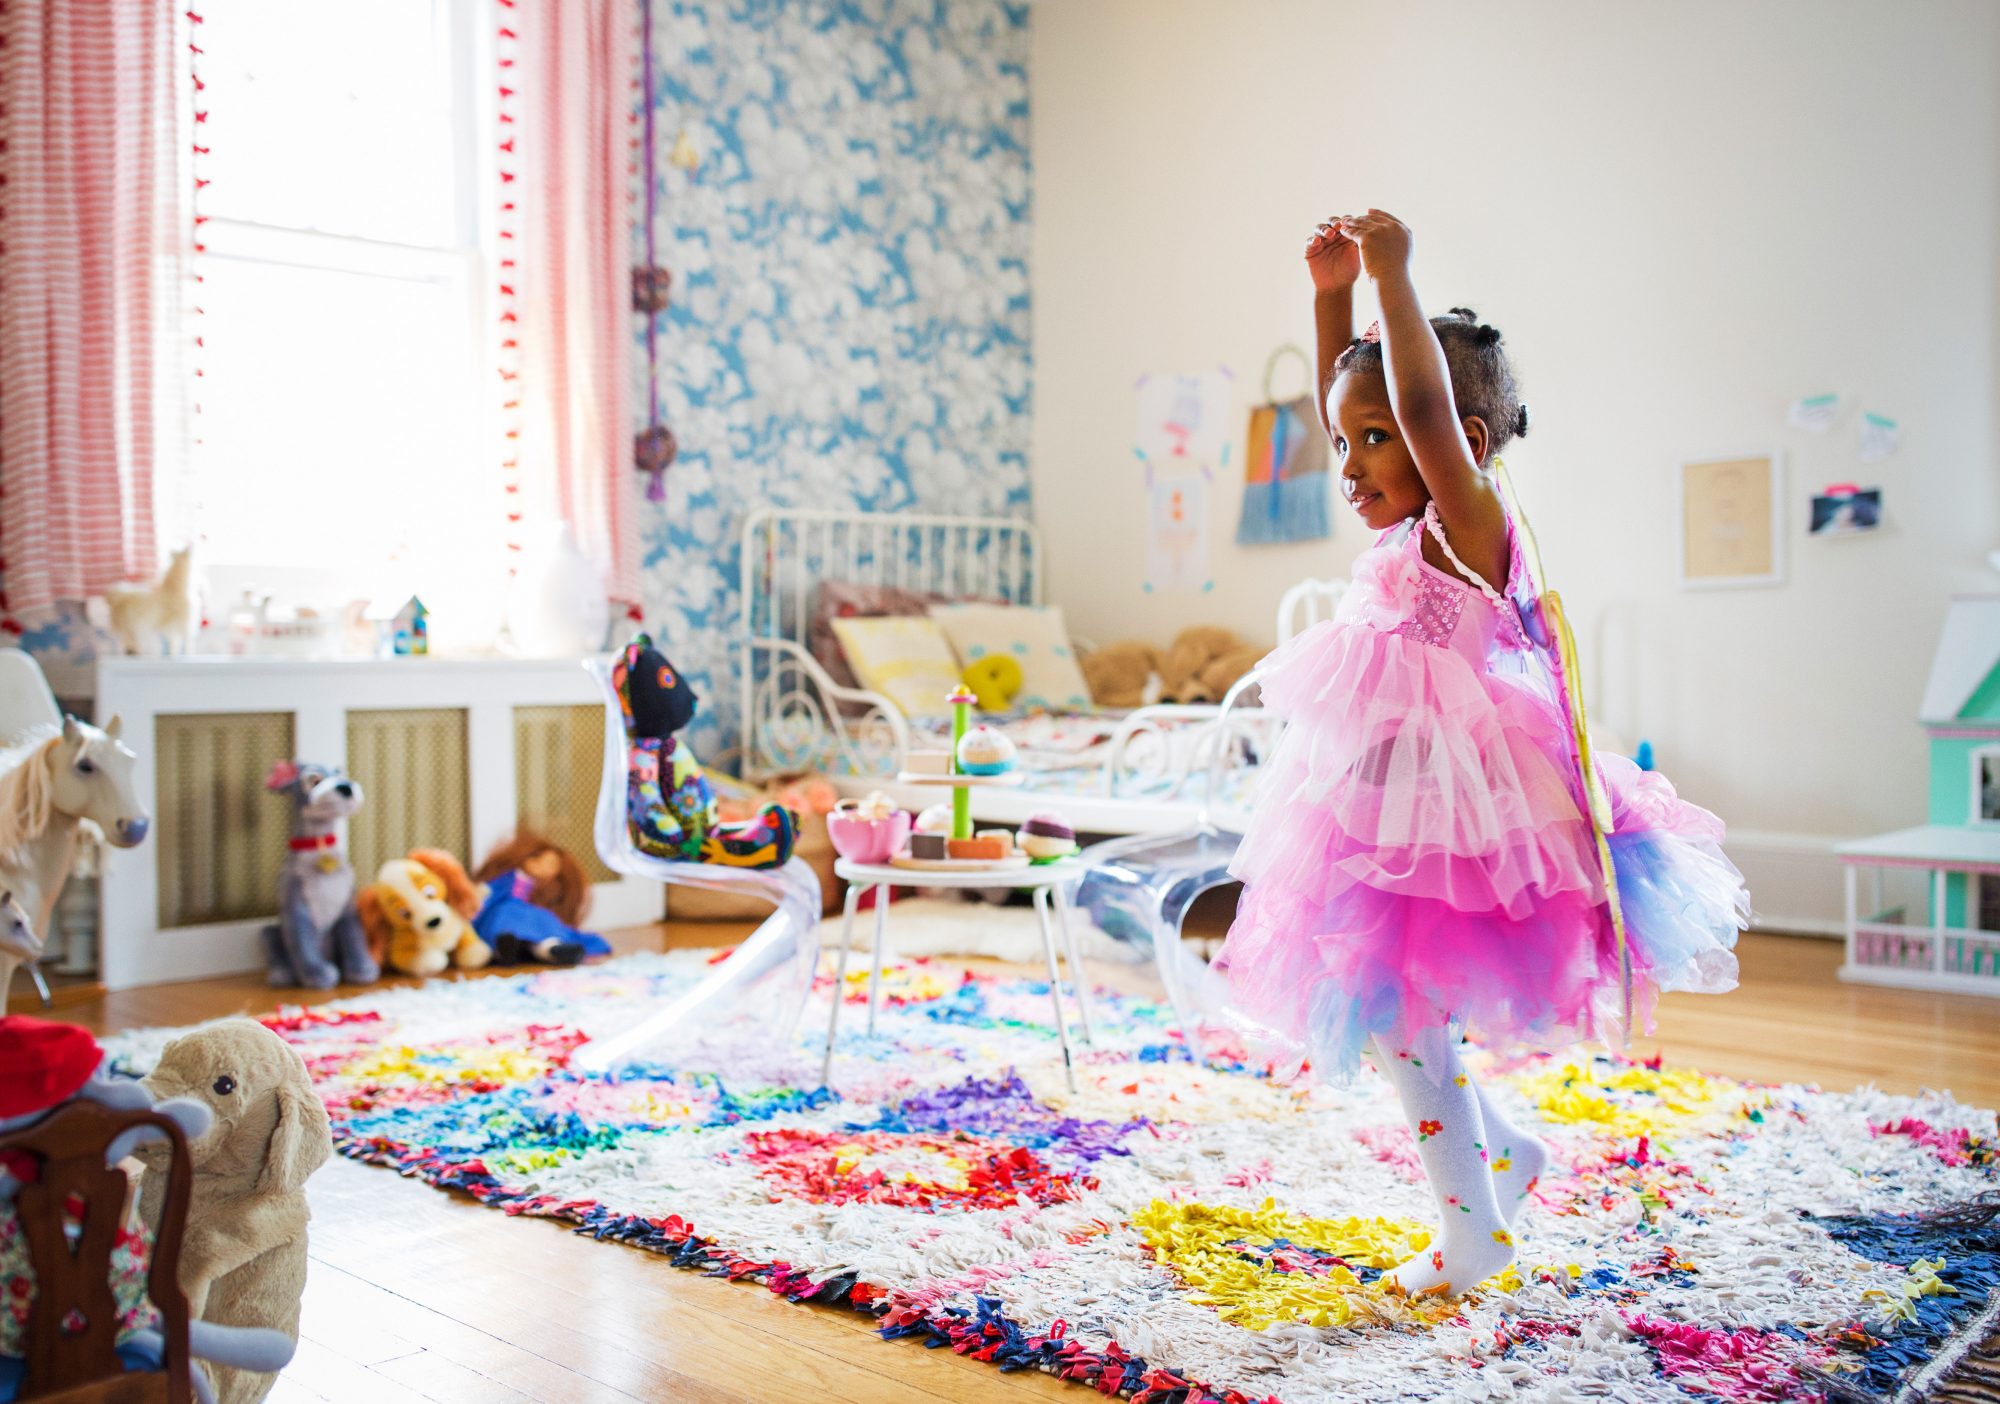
(418,1295)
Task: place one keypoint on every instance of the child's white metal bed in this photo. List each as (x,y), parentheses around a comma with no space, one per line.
(1150,770)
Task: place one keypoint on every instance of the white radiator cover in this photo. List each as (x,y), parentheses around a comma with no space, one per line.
(436,744)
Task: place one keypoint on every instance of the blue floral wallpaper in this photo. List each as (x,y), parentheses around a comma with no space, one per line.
(841,193)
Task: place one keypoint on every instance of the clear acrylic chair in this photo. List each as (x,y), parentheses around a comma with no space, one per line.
(766,980)
(1138,888)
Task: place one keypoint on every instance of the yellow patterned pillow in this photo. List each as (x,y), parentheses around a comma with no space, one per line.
(905,658)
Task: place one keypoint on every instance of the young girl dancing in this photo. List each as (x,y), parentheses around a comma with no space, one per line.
(1421,861)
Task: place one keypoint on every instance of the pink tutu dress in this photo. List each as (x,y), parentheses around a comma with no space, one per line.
(1421,863)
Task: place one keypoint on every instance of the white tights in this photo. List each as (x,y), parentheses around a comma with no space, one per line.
(1481,1167)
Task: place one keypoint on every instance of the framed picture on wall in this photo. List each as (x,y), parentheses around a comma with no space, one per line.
(1732,521)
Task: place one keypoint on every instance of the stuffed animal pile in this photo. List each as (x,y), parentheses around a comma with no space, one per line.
(1201,665)
(427,915)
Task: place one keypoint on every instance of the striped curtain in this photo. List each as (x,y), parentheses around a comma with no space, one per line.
(567,77)
(96,221)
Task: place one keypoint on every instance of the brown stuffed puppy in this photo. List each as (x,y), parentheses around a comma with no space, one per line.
(243,1262)
(420,909)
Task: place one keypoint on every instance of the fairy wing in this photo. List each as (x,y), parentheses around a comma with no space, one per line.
(1548,628)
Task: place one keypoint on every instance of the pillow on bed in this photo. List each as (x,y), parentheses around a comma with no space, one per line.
(850,599)
(905,659)
(1034,635)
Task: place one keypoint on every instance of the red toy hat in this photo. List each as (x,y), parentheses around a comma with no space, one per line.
(44,1063)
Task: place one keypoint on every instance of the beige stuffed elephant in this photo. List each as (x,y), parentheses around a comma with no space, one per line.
(244,1259)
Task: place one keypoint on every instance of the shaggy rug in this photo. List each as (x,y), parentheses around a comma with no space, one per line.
(1181,1232)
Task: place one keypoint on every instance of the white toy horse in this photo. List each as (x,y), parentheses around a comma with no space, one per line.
(52,780)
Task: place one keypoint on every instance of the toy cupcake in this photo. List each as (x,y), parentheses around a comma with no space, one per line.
(984,751)
(1045,838)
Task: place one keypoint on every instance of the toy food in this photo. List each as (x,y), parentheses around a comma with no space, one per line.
(928,763)
(981,848)
(1045,838)
(868,830)
(930,847)
(984,751)
(935,820)
(994,681)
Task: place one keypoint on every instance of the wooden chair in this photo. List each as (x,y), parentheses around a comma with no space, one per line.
(77,1362)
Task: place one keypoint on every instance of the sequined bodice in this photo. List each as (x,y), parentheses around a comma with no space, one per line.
(1449,613)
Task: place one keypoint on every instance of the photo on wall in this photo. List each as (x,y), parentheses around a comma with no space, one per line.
(1845,510)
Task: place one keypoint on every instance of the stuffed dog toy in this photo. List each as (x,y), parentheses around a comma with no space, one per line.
(316,942)
(420,910)
(49,1064)
(244,1259)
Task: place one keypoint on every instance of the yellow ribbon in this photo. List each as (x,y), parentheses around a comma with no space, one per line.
(1596,801)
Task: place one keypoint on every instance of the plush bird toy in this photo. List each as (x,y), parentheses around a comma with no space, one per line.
(669,805)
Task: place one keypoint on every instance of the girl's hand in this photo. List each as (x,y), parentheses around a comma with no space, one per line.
(1384,241)
(1333,259)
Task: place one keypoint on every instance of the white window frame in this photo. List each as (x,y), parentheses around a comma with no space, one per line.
(465,268)
(1974,813)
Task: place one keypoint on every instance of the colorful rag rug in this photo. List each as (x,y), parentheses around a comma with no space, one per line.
(1186,1232)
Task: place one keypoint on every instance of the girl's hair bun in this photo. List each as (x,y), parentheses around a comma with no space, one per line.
(1521,423)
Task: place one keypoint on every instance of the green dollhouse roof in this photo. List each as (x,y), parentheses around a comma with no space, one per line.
(1968,654)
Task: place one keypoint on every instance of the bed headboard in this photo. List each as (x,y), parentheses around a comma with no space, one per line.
(787,554)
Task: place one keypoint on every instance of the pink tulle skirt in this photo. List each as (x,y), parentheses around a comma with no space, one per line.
(1420,864)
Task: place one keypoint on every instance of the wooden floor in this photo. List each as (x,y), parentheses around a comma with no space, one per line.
(419,1295)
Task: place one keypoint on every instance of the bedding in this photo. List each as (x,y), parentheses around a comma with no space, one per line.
(906,659)
(1035,636)
(848,599)
(1064,754)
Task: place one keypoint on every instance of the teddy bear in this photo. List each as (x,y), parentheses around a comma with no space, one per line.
(243,1260)
(670,808)
(1121,674)
(1203,662)
(419,912)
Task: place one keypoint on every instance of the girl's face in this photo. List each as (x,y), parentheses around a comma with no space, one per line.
(1378,476)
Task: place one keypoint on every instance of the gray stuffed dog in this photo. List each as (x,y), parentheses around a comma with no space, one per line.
(318,940)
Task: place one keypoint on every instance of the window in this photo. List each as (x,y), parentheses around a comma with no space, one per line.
(1986,785)
(348,435)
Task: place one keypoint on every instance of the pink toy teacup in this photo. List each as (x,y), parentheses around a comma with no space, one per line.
(867,831)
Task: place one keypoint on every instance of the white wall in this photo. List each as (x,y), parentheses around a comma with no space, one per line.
(1681,216)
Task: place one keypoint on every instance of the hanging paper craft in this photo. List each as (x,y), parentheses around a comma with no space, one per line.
(1815,413)
(1183,420)
(1177,545)
(1284,467)
(1879,437)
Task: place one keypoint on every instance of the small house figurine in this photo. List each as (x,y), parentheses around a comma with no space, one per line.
(412,630)
(1956,944)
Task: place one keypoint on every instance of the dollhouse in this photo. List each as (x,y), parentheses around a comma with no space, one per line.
(1955,945)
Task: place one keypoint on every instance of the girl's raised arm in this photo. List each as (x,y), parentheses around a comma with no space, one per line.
(1420,394)
(1334,260)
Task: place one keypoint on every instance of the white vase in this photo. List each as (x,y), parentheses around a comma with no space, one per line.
(557,607)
